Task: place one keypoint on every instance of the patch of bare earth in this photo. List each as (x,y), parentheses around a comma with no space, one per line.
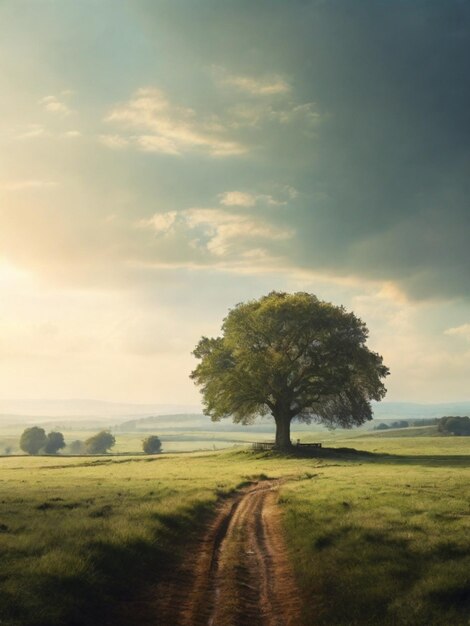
(239,574)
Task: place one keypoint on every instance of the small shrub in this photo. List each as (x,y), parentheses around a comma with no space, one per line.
(152,445)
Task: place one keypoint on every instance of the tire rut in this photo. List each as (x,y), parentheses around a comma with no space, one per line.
(240,573)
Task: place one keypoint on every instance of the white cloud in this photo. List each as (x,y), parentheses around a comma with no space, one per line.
(54,105)
(168,128)
(272,85)
(237,198)
(217,232)
(228,232)
(161,223)
(35,131)
(158,143)
(248,200)
(115,142)
(32,131)
(71,134)
(462,331)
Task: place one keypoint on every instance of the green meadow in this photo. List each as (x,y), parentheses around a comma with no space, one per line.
(378,538)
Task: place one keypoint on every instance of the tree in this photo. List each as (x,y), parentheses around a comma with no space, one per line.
(100,443)
(382,426)
(77,447)
(294,356)
(454,425)
(33,439)
(152,445)
(55,442)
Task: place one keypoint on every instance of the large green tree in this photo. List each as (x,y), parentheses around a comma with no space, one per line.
(294,356)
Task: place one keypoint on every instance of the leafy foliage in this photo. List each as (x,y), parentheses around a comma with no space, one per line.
(454,425)
(55,442)
(294,356)
(152,445)
(100,443)
(397,424)
(33,440)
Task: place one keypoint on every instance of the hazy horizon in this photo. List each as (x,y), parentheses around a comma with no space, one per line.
(75,410)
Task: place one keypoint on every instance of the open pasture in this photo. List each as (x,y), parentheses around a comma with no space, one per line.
(381,538)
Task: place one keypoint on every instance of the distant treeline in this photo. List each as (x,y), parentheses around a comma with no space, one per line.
(454,425)
(407,424)
(448,425)
(34,440)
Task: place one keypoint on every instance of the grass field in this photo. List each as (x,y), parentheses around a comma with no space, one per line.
(381,539)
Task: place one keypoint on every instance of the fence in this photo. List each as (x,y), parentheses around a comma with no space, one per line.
(269,445)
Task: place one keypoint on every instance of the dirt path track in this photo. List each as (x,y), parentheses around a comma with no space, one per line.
(239,575)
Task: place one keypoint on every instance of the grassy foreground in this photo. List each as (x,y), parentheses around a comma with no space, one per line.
(384,542)
(375,540)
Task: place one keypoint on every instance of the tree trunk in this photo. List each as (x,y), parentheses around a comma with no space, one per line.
(283,441)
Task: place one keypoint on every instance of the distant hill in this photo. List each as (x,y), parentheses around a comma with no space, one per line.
(80,411)
(412,410)
(190,422)
(83,413)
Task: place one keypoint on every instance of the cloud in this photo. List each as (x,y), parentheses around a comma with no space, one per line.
(35,131)
(248,200)
(237,198)
(115,142)
(217,232)
(462,331)
(168,128)
(32,131)
(226,233)
(71,134)
(376,138)
(52,104)
(256,115)
(160,223)
(256,86)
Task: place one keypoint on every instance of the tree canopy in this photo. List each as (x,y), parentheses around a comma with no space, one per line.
(454,425)
(100,443)
(152,445)
(294,356)
(33,440)
(55,442)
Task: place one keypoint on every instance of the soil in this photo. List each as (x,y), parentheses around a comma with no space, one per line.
(239,574)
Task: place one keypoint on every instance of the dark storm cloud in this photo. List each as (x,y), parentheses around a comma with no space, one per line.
(384,179)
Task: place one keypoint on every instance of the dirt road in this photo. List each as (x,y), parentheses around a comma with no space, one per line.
(239,575)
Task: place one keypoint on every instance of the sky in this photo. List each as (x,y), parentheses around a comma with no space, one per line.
(162,160)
